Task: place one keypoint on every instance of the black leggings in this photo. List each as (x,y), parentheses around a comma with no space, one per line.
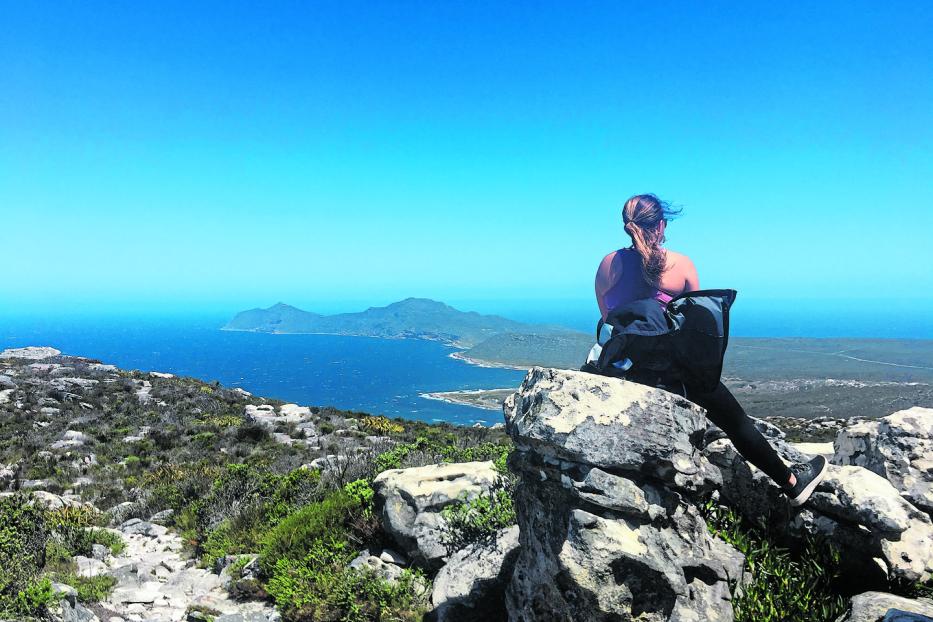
(723,410)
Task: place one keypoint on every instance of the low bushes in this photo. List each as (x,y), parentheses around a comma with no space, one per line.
(308,526)
(306,561)
(23,537)
(424,451)
(37,546)
(381,425)
(320,587)
(244,503)
(479,520)
(780,584)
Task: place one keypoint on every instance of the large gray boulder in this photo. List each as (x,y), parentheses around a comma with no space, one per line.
(898,447)
(576,416)
(873,606)
(607,471)
(471,586)
(410,501)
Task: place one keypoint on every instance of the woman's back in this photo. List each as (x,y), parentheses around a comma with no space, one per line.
(620,279)
(646,269)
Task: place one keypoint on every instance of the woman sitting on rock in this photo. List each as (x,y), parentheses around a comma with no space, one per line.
(647,270)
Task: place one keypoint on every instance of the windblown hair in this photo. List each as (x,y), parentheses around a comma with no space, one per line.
(642,215)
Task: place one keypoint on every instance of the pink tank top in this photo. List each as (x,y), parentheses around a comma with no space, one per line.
(623,283)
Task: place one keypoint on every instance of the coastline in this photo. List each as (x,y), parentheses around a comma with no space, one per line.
(460,356)
(486,399)
(445,342)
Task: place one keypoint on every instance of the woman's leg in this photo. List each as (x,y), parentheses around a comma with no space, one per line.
(725,411)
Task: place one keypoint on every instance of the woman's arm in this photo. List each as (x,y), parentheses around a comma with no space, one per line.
(691,278)
(604,282)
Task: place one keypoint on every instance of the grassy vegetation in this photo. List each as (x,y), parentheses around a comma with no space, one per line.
(37,547)
(477,521)
(779,584)
(803,583)
(233,489)
(236,493)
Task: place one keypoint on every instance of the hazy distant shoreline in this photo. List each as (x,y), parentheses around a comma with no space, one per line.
(461,356)
(258,331)
(487,399)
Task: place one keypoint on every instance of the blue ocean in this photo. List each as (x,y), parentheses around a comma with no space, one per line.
(378,376)
(383,376)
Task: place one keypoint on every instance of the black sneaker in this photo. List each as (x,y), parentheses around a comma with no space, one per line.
(809,475)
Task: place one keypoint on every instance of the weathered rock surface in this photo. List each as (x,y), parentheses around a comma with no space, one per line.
(35,353)
(899,448)
(471,586)
(156,581)
(872,607)
(853,507)
(49,500)
(300,416)
(409,502)
(607,470)
(582,417)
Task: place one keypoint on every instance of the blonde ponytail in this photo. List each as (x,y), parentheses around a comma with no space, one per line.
(642,214)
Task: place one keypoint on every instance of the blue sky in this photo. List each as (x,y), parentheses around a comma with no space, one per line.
(339,154)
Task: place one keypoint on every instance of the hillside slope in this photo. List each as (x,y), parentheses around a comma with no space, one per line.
(418,318)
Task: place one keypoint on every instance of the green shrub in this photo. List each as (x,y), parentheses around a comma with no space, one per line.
(90,589)
(780,585)
(477,521)
(93,589)
(218,544)
(304,559)
(244,503)
(204,439)
(303,529)
(71,526)
(23,540)
(430,451)
(111,540)
(224,421)
(381,425)
(361,491)
(320,586)
(32,602)
(176,486)
(23,537)
(57,557)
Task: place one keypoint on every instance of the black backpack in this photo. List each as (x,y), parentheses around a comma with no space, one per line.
(681,344)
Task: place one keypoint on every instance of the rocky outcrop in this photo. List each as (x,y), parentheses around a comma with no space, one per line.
(68,608)
(858,510)
(876,606)
(899,448)
(471,586)
(157,581)
(607,471)
(51,501)
(32,353)
(409,501)
(300,416)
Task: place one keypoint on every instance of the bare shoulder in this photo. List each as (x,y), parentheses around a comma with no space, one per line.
(678,260)
(607,260)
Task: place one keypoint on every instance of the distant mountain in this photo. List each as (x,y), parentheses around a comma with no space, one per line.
(417,318)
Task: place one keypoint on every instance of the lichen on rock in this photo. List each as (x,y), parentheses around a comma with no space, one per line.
(608,470)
